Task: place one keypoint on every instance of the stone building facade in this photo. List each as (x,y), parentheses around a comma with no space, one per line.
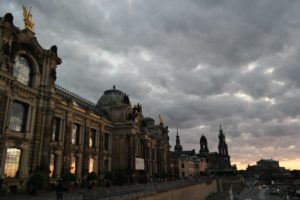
(46,127)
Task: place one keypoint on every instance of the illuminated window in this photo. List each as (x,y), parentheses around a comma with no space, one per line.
(73,164)
(75,134)
(92,139)
(56,128)
(91,165)
(12,162)
(18,116)
(22,70)
(52,165)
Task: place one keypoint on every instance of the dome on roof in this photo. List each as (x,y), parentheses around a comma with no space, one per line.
(203,139)
(113,97)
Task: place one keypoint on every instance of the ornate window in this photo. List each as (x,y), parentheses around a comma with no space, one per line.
(75,134)
(91,164)
(22,70)
(18,116)
(92,139)
(12,162)
(73,164)
(56,129)
(52,165)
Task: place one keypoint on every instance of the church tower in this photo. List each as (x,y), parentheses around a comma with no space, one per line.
(203,146)
(223,149)
(178,147)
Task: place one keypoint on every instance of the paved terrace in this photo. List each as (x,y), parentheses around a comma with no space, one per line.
(114,192)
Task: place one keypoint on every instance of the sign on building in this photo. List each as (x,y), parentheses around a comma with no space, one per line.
(139,164)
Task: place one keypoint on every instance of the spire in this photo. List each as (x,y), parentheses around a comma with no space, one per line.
(178,146)
(221,131)
(223,149)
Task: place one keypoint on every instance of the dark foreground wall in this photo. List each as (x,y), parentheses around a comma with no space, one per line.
(194,192)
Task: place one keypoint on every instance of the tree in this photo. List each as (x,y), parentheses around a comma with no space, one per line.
(37,181)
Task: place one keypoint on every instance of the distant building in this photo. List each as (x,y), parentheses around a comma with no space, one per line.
(218,162)
(191,166)
(266,169)
(187,163)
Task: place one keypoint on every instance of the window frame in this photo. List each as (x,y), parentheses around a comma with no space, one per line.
(16,69)
(77,134)
(56,129)
(93,138)
(6,163)
(26,117)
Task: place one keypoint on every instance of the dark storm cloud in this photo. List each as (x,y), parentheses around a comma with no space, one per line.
(199,63)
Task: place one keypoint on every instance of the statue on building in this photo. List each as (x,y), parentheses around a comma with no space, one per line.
(161,119)
(27,17)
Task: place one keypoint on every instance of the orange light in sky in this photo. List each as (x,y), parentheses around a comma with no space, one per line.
(288,164)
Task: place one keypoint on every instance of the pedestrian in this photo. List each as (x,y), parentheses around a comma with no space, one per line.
(59,191)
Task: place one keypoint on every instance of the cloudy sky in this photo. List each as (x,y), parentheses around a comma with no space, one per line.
(199,63)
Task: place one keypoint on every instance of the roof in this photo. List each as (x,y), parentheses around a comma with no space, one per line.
(177,154)
(76,99)
(113,97)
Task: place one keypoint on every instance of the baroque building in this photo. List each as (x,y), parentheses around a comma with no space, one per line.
(46,127)
(218,162)
(189,164)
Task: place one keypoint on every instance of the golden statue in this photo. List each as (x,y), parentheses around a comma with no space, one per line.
(161,119)
(28,19)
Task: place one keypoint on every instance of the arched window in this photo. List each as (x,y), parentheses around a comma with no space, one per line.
(91,164)
(52,165)
(12,162)
(22,70)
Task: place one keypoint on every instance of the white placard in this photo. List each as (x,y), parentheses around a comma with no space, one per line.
(139,164)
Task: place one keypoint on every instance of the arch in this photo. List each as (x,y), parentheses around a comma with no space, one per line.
(34,66)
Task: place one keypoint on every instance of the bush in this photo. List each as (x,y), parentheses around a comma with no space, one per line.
(92,176)
(120,177)
(38,180)
(108,176)
(69,177)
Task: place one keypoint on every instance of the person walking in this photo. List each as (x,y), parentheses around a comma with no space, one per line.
(59,191)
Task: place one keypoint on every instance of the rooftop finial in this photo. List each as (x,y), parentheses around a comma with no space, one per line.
(27,18)
(114,87)
(177,131)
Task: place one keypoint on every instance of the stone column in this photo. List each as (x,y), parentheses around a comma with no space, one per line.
(79,165)
(58,164)
(85,159)
(67,143)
